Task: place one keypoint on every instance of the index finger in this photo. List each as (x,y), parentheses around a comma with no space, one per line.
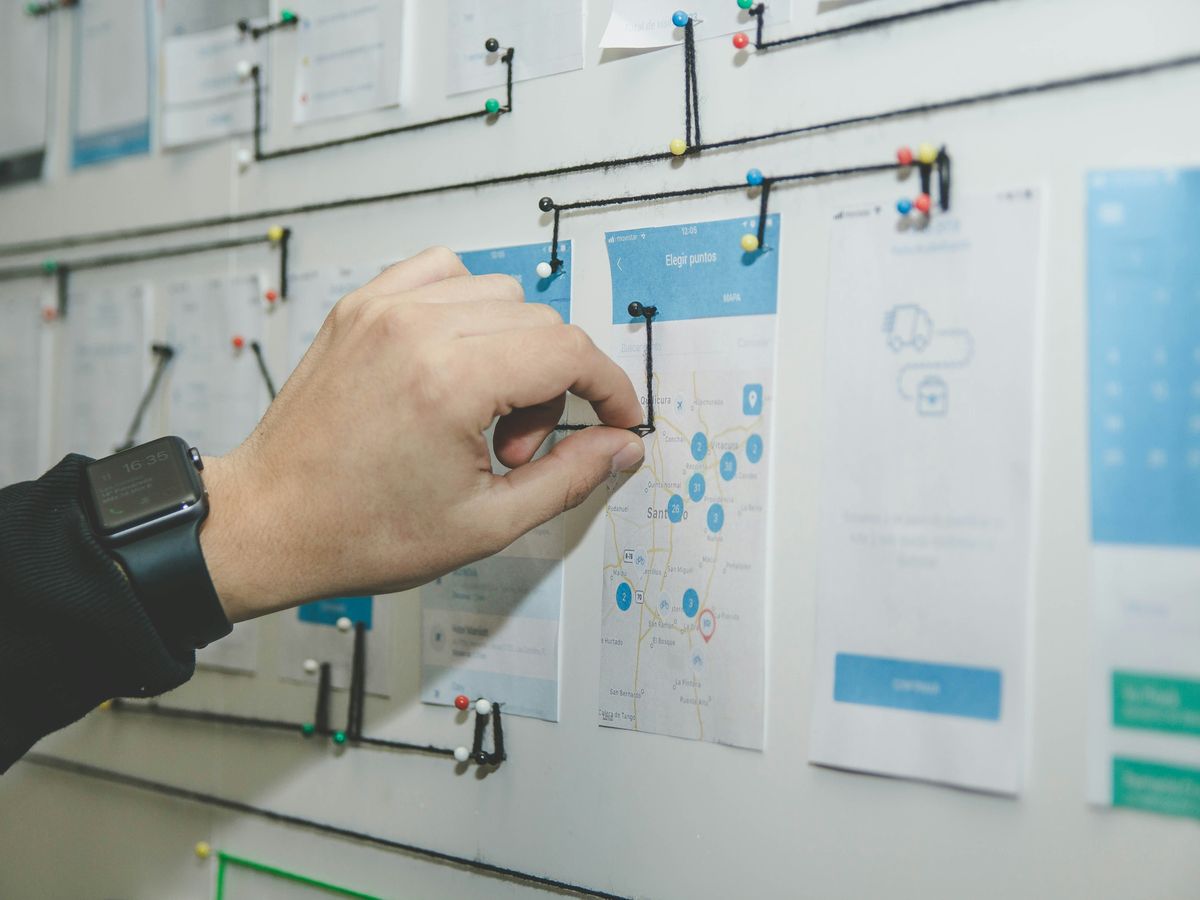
(431,265)
(526,368)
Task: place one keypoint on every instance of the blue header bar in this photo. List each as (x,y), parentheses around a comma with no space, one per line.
(694,271)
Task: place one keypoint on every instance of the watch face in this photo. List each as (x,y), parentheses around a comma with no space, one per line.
(142,484)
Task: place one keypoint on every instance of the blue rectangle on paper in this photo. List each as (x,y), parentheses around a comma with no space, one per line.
(327,612)
(694,271)
(1144,356)
(94,148)
(965,691)
(521,263)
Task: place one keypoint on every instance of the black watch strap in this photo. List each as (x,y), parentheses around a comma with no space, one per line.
(171,580)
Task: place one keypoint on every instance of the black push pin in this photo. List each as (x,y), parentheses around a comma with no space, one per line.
(491,45)
(546,204)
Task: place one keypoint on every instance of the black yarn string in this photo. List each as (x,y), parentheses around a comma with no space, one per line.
(256,80)
(555,262)
(757,12)
(637,311)
(169,712)
(689,50)
(943,173)
(245,26)
(507,59)
(689,38)
(813,175)
(863,25)
(121,259)
(262,367)
(238,806)
(284,241)
(320,724)
(649,312)
(497,755)
(140,231)
(61,279)
(261,155)
(324,688)
(358,678)
(762,212)
(163,354)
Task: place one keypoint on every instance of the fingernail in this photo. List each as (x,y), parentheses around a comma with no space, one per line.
(628,457)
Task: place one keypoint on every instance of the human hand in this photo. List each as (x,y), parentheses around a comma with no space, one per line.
(370,472)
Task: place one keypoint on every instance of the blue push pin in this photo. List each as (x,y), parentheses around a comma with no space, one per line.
(904,207)
(754,177)
(680,18)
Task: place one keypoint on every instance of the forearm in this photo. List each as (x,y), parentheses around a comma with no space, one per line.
(72,633)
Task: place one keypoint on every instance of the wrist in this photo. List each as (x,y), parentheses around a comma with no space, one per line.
(233,543)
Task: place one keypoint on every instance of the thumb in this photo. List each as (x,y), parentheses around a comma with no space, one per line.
(562,479)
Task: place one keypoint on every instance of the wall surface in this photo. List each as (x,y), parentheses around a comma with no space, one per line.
(637,814)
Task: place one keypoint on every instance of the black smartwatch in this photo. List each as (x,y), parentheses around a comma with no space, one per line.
(147,505)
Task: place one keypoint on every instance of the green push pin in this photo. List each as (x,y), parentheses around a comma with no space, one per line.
(308,729)
(33,9)
(745,4)
(492,106)
(50,266)
(286,15)
(339,737)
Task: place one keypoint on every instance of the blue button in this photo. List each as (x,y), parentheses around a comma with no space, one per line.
(716,517)
(754,448)
(728,466)
(920,686)
(624,596)
(752,399)
(675,508)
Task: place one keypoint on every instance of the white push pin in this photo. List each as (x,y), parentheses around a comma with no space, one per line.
(344,624)
(244,69)
(483,706)
(544,270)
(311,666)
(462,754)
(244,158)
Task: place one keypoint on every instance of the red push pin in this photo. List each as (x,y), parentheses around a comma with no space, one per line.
(923,203)
(238,342)
(462,701)
(904,156)
(49,314)
(741,41)
(270,296)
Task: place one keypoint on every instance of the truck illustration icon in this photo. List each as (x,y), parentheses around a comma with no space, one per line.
(907,325)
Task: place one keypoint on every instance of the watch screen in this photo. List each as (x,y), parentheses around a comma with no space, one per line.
(141,484)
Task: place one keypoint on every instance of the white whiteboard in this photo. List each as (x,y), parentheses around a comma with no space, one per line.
(636,814)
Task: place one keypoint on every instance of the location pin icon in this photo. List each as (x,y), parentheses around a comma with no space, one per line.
(707,624)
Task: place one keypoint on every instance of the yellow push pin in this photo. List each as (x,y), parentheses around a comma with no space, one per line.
(275,234)
(678,146)
(105,706)
(926,154)
(203,850)
(749,243)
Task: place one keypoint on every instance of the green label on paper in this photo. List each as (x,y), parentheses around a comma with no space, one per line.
(1155,787)
(1156,703)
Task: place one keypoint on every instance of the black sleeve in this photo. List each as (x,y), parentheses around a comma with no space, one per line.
(72,633)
